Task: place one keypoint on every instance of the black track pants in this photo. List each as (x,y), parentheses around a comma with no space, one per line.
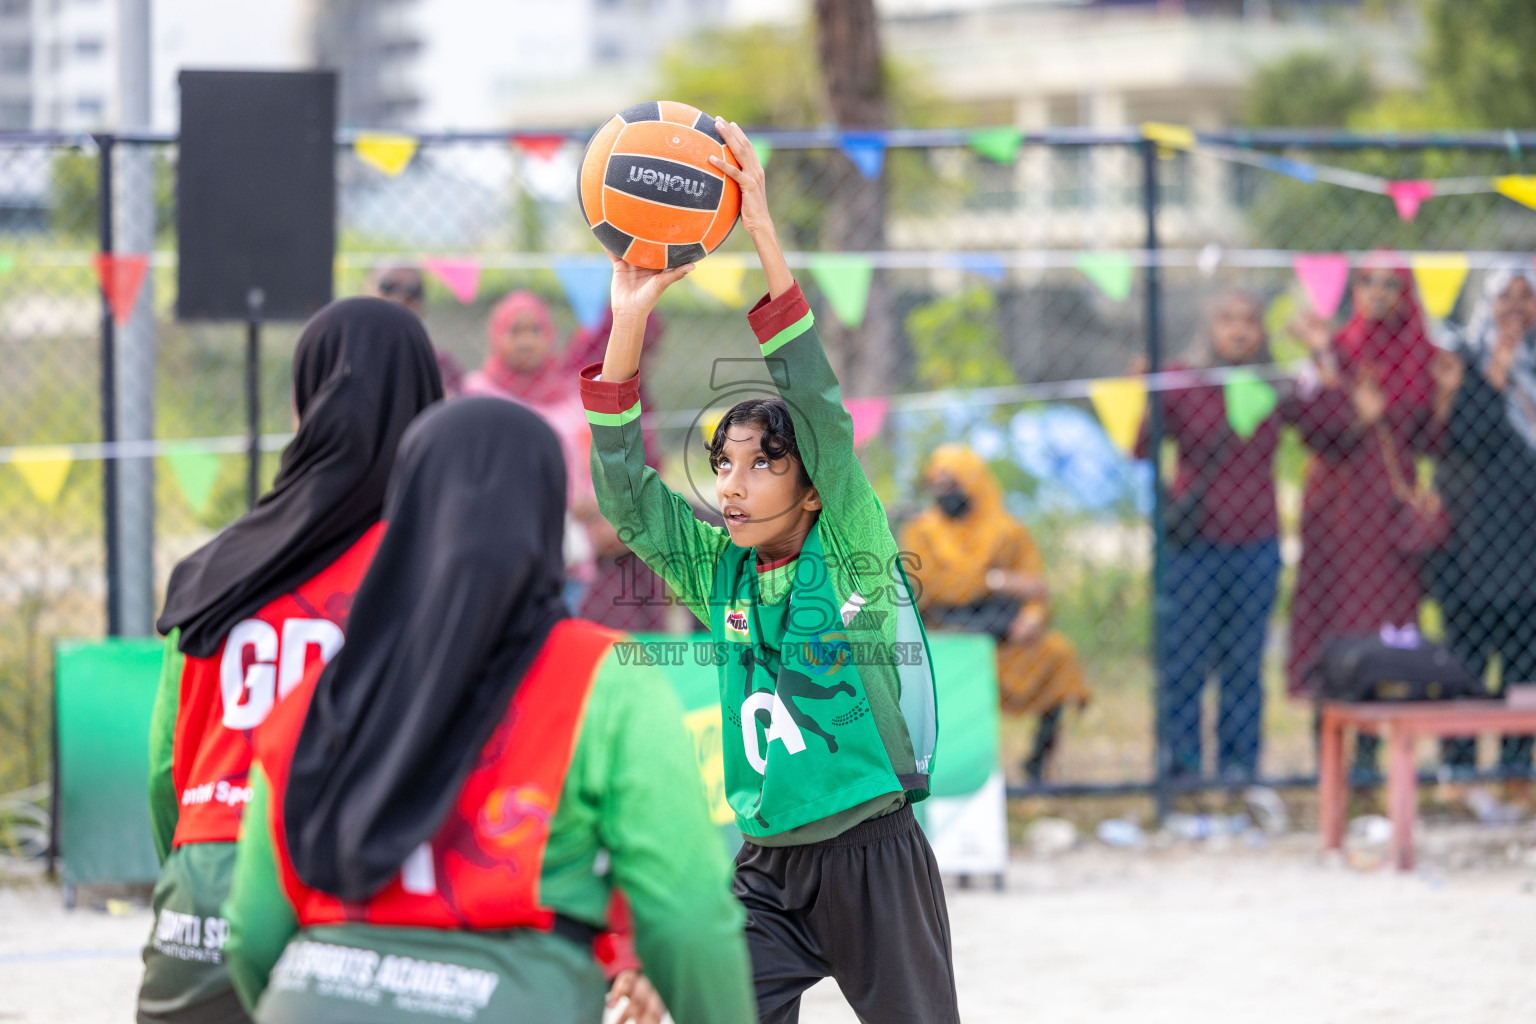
(866,908)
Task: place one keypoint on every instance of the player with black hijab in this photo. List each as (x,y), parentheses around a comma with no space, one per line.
(245,614)
(440,814)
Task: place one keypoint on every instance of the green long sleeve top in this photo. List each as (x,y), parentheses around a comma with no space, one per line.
(659,526)
(633,791)
(164,809)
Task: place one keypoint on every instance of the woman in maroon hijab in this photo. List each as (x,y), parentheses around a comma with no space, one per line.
(1366,417)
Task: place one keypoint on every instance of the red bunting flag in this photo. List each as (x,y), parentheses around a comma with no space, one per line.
(121,279)
(542,147)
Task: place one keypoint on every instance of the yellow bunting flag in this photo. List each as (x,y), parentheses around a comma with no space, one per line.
(1120,403)
(720,277)
(1519,187)
(1439,277)
(44,469)
(1169,137)
(388,153)
(708,424)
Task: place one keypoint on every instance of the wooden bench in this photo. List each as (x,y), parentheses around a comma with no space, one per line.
(1399,725)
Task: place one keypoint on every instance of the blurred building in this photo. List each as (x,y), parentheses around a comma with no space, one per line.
(73,62)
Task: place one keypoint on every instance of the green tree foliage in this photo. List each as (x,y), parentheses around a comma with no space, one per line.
(72,193)
(957,342)
(1479,61)
(1476,75)
(1307,89)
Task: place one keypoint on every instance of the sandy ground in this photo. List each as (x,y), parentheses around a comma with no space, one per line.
(1189,934)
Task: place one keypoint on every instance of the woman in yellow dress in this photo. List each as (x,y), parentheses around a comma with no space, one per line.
(979,570)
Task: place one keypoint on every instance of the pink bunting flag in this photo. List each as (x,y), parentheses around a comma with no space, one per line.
(459,276)
(1323,277)
(542,146)
(1408,195)
(868,416)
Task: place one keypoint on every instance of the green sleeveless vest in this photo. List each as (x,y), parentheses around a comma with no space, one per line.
(799,740)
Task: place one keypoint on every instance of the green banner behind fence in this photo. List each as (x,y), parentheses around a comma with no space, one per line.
(106,689)
(103,695)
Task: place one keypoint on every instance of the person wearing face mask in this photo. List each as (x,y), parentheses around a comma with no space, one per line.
(1487,477)
(1223,553)
(979,570)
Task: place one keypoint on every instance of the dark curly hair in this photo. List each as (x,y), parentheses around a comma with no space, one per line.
(772,415)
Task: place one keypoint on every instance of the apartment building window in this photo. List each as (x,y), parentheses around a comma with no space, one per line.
(15,7)
(90,106)
(15,57)
(15,114)
(89,47)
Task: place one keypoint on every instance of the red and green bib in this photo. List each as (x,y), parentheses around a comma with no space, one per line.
(224,697)
(481,870)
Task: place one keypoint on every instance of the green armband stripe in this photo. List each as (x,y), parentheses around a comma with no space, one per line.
(789,333)
(613,419)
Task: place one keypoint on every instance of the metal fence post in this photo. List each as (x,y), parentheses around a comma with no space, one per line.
(109,482)
(1162,766)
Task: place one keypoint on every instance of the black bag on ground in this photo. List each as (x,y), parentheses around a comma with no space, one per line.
(1360,668)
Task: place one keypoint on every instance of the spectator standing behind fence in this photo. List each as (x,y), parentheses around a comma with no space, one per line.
(1365,417)
(406,286)
(523,364)
(1223,563)
(1485,578)
(978,570)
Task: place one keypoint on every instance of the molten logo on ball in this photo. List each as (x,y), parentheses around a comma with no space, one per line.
(667,182)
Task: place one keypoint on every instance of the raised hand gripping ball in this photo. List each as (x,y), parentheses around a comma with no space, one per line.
(648,190)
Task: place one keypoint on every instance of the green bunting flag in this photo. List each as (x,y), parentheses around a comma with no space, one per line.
(1250,399)
(196,473)
(1111,271)
(764,150)
(7,262)
(844,278)
(999,144)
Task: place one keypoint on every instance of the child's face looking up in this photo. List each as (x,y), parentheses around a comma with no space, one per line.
(763,501)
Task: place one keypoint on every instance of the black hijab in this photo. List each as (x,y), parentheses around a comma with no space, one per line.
(460,597)
(363,369)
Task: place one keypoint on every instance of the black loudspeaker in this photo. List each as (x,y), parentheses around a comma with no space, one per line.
(256,194)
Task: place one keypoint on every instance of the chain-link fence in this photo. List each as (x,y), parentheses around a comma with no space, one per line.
(1348,442)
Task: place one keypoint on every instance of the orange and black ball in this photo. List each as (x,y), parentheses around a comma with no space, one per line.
(648,190)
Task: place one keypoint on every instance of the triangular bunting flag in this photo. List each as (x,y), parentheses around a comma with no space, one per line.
(586,288)
(999,144)
(45,469)
(1169,137)
(461,276)
(196,473)
(720,277)
(1249,400)
(985,264)
(865,149)
(1439,277)
(539,146)
(388,153)
(844,278)
(1113,272)
(1292,169)
(1323,277)
(1120,403)
(868,416)
(121,277)
(1519,187)
(764,150)
(7,262)
(1407,195)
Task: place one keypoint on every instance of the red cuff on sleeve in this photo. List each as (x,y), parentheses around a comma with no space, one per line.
(608,396)
(770,316)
